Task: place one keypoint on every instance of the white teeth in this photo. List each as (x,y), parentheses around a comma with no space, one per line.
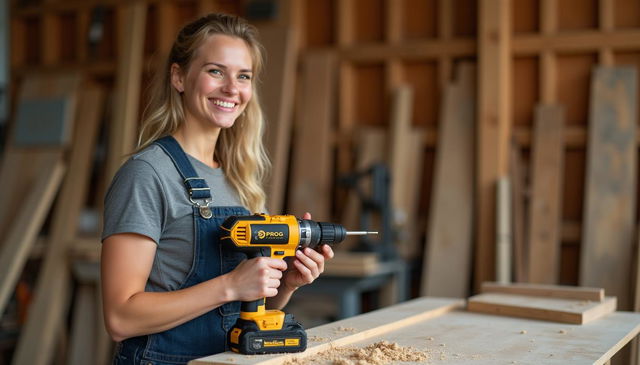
(224,104)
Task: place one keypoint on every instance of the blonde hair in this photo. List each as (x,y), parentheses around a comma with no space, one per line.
(239,149)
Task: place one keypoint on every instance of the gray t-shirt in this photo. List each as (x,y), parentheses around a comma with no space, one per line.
(147,196)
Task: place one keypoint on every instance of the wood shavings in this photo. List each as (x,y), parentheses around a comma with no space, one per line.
(430,338)
(378,353)
(318,339)
(345,329)
(523,332)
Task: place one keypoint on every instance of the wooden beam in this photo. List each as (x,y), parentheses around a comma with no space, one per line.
(312,159)
(125,117)
(280,71)
(493,127)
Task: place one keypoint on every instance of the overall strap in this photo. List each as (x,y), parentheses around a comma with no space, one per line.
(196,186)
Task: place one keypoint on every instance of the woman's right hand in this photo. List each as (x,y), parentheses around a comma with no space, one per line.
(256,278)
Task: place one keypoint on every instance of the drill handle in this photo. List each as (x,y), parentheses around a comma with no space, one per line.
(253,306)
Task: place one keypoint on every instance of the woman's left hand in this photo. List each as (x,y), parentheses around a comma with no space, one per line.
(307,265)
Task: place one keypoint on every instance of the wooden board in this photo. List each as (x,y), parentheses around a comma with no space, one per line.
(312,160)
(447,259)
(545,207)
(493,129)
(28,220)
(460,337)
(364,326)
(52,294)
(279,74)
(548,309)
(550,291)
(125,116)
(610,191)
(405,161)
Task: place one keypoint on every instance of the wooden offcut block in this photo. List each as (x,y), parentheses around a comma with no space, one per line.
(543,308)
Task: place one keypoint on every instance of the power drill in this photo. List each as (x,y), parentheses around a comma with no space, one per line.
(261,331)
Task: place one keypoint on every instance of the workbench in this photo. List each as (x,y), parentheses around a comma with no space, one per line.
(443,329)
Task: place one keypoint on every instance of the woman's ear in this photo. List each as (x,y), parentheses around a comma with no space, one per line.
(177,78)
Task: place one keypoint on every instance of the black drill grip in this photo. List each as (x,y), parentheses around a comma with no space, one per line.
(251,307)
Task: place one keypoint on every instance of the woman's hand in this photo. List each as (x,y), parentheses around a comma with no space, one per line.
(256,278)
(307,265)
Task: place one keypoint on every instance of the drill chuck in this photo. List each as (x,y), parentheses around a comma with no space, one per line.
(314,234)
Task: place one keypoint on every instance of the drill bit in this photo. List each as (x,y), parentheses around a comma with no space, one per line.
(359,233)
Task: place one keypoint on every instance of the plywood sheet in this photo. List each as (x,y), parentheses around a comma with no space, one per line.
(609,211)
(544,308)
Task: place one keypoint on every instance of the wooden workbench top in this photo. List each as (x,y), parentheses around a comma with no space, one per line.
(450,335)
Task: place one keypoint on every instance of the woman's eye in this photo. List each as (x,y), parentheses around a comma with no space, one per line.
(215,72)
(244,77)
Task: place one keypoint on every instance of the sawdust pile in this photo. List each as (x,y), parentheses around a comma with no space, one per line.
(379,353)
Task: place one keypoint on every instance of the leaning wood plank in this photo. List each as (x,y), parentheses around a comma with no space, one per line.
(551,291)
(546,195)
(126,102)
(493,129)
(281,61)
(49,306)
(447,259)
(312,161)
(609,214)
(548,309)
(364,326)
(28,221)
(405,164)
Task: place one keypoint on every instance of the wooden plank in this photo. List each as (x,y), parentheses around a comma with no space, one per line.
(517,178)
(493,127)
(28,220)
(405,161)
(461,337)
(551,291)
(610,192)
(280,71)
(311,171)
(52,293)
(547,309)
(503,230)
(447,258)
(364,326)
(545,215)
(123,126)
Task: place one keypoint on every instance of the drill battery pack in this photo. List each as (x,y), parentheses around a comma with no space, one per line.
(246,338)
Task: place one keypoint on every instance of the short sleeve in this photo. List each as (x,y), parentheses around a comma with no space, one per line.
(135,202)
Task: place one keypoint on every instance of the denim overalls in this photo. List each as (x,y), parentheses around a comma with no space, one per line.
(204,335)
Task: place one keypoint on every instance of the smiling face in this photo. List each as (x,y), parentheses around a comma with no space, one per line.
(218,82)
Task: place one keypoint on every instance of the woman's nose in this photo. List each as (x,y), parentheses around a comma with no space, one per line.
(230,86)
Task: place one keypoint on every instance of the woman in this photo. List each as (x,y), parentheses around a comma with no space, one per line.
(171,291)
